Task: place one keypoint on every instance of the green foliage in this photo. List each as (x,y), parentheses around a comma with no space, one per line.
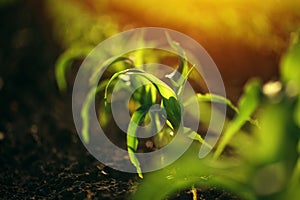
(216,99)
(153,92)
(64,62)
(132,141)
(190,171)
(246,106)
(290,71)
(266,162)
(169,102)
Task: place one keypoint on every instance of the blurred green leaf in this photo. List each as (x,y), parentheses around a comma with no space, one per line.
(216,99)
(190,170)
(108,63)
(290,71)
(64,62)
(274,154)
(85,114)
(85,109)
(246,106)
(290,63)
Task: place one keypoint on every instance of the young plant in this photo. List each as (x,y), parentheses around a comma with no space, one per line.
(169,98)
(153,92)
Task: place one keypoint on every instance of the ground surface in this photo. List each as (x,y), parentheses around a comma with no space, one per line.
(41,155)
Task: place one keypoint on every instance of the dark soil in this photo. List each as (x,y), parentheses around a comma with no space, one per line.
(40,152)
(41,155)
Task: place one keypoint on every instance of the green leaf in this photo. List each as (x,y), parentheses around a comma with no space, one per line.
(246,106)
(132,141)
(135,162)
(290,62)
(182,83)
(64,63)
(183,64)
(180,75)
(216,99)
(169,98)
(85,110)
(169,101)
(85,114)
(290,71)
(173,110)
(93,91)
(222,100)
(162,88)
(139,54)
(109,62)
(146,94)
(190,170)
(116,75)
(250,99)
(195,136)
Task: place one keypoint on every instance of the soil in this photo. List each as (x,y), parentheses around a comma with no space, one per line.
(41,155)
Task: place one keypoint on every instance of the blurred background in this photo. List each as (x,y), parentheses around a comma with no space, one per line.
(244,38)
